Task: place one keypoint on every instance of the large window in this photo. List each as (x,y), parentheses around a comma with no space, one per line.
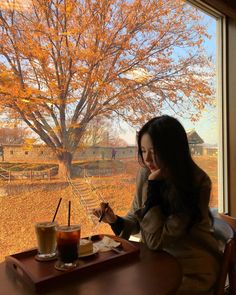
(72,103)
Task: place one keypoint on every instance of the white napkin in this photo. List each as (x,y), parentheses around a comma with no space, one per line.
(106,244)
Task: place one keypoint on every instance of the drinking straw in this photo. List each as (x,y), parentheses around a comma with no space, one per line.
(69,213)
(58,205)
(103,212)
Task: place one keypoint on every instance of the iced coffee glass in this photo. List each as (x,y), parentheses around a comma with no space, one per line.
(46,239)
(68,238)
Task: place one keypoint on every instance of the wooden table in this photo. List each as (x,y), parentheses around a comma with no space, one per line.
(152,273)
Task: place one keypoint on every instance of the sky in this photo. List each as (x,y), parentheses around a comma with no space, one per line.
(206,127)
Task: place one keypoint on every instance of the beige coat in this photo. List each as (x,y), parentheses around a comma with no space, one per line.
(196,250)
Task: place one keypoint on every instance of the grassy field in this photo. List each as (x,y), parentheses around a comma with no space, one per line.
(19,212)
(209,164)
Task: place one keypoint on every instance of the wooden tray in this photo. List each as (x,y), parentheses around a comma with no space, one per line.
(40,275)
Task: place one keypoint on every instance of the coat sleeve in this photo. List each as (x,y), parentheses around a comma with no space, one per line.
(154,227)
(159,231)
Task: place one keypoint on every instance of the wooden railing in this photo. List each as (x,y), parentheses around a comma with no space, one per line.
(102,171)
(88,197)
(27,174)
(4,174)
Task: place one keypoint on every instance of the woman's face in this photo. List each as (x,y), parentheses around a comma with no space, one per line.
(148,153)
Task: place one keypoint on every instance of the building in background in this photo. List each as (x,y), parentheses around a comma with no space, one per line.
(41,153)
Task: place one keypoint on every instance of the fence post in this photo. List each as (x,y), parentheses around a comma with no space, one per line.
(9,177)
(30,175)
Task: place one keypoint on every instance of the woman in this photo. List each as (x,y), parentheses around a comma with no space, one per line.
(170,207)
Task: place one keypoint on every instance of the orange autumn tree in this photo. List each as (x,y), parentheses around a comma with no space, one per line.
(101,132)
(15,135)
(96,132)
(65,62)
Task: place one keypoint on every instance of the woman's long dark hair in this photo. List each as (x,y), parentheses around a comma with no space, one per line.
(171,149)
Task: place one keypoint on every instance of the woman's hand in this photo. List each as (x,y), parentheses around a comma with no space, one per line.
(155,175)
(108,217)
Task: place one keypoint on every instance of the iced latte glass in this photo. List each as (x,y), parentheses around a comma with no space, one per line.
(46,239)
(68,238)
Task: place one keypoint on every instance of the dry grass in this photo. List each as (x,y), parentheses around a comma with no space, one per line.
(209,164)
(18,213)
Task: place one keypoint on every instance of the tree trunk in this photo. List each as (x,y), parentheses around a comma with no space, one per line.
(64,169)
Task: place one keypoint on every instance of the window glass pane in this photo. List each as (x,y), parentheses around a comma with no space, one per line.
(71,107)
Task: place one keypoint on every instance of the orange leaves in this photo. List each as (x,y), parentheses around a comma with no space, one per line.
(73,60)
(18,5)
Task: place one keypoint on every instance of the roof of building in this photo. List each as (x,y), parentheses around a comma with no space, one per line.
(193,137)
